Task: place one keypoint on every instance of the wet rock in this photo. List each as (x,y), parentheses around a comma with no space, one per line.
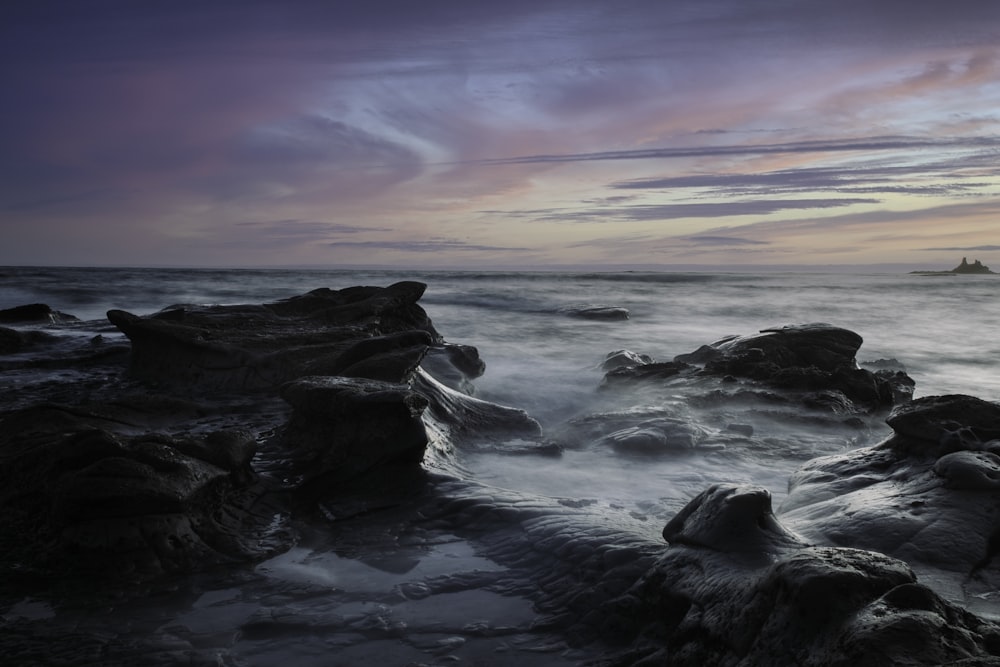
(597,312)
(947,423)
(731,519)
(927,495)
(623,358)
(650,372)
(454,365)
(457,418)
(736,588)
(813,362)
(656,436)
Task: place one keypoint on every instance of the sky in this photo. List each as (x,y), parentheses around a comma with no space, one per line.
(514,134)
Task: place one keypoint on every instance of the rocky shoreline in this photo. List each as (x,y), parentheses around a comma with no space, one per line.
(210,440)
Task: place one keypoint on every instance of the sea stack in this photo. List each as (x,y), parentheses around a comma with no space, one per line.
(975,267)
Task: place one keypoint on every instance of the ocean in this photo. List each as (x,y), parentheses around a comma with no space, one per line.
(542,359)
(942,329)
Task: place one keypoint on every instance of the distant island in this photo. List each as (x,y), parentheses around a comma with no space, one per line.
(976,267)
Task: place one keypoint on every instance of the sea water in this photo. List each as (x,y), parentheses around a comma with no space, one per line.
(943,329)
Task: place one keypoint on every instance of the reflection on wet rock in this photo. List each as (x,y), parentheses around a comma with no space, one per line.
(926,495)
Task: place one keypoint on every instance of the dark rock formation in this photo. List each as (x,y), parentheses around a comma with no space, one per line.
(78,497)
(455,418)
(929,495)
(597,312)
(796,375)
(964,268)
(341,428)
(975,267)
(13,341)
(194,462)
(454,365)
(34,313)
(737,588)
(816,361)
(379,333)
(623,358)
(146,485)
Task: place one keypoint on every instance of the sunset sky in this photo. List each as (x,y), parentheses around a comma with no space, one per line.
(541,133)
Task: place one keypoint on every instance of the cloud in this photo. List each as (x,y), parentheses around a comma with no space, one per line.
(717,241)
(429,245)
(303,230)
(978,248)
(865,144)
(246,124)
(862,177)
(655,212)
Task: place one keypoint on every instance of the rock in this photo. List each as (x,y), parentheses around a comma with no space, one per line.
(744,392)
(736,588)
(597,312)
(454,365)
(731,519)
(947,423)
(457,419)
(647,372)
(78,497)
(623,358)
(34,313)
(379,333)
(927,495)
(975,267)
(341,428)
(13,341)
(815,362)
(655,436)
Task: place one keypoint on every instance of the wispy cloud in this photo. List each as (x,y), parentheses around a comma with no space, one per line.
(866,144)
(719,241)
(427,246)
(655,212)
(977,248)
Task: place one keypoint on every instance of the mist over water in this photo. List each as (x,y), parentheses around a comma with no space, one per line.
(540,359)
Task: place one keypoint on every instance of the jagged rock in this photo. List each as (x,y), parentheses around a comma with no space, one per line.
(815,362)
(78,497)
(792,376)
(975,267)
(380,333)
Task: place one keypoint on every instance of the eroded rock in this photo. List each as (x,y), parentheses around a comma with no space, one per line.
(343,427)
(815,362)
(379,333)
(927,495)
(79,497)
(736,588)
